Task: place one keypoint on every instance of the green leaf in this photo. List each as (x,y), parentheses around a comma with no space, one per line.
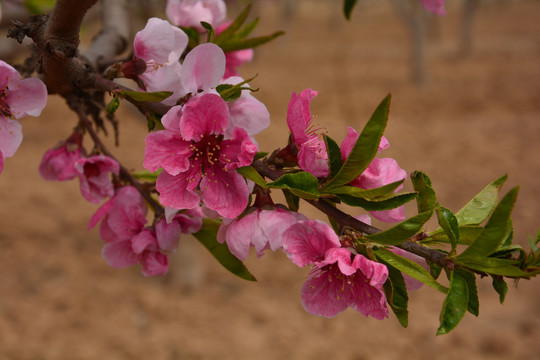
(147,175)
(434,270)
(259,155)
(36,7)
(479,208)
(473,305)
(365,193)
(455,304)
(302,184)
(495,231)
(235,25)
(250,173)
(209,30)
(146,96)
(396,295)
(247,29)
(229,92)
(365,148)
(426,195)
(193,35)
(334,155)
(467,235)
(449,223)
(386,203)
(409,267)
(402,231)
(113,105)
(238,44)
(293,201)
(208,237)
(348,6)
(494,266)
(500,287)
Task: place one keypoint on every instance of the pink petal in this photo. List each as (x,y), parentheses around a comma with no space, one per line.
(323,297)
(235,59)
(27,97)
(313,158)
(166,149)
(239,235)
(165,78)
(160,41)
(390,216)
(144,241)
(350,140)
(342,257)
(435,6)
(191,13)
(100,213)
(380,172)
(275,222)
(154,264)
(168,235)
(203,67)
(238,151)
(411,283)
(204,115)
(306,242)
(247,112)
(10,136)
(299,115)
(225,192)
(119,254)
(171,120)
(1,162)
(177,191)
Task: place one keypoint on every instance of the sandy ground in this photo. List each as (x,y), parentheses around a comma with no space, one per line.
(473,121)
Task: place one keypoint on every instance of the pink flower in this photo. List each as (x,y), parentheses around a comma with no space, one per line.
(94,175)
(261,229)
(312,156)
(160,46)
(58,163)
(203,68)
(380,172)
(18,98)
(127,241)
(338,279)
(435,6)
(201,158)
(190,13)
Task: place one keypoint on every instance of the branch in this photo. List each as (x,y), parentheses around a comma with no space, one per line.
(344,219)
(112,40)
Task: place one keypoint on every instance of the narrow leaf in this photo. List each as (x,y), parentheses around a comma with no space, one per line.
(293,201)
(402,231)
(348,6)
(146,96)
(473,305)
(455,304)
(386,203)
(365,193)
(396,295)
(113,105)
(365,148)
(235,26)
(247,29)
(302,184)
(467,235)
(449,223)
(233,45)
(208,237)
(209,30)
(334,155)
(494,266)
(426,195)
(250,173)
(500,287)
(409,267)
(479,208)
(495,231)
(146,175)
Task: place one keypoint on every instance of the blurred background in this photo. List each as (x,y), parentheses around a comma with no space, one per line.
(465,110)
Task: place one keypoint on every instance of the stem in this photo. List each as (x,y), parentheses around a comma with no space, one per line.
(344,219)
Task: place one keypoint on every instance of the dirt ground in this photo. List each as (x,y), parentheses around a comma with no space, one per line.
(474,120)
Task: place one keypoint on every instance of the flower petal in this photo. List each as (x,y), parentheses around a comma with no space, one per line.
(203,68)
(225,192)
(177,191)
(166,149)
(119,254)
(204,115)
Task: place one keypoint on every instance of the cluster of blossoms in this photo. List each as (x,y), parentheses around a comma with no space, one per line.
(205,139)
